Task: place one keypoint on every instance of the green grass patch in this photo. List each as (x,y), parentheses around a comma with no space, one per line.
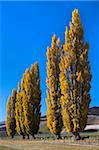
(6,148)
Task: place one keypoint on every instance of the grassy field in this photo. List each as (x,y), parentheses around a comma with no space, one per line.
(46,141)
(42,145)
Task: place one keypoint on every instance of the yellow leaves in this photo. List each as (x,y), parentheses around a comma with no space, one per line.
(19,87)
(74,75)
(73,67)
(53,57)
(26,71)
(17,111)
(53,38)
(54,41)
(48,53)
(62,77)
(28,98)
(66,120)
(20,107)
(67,32)
(75,17)
(72,29)
(75,12)
(84,55)
(58,41)
(9,104)
(67,37)
(13,93)
(79,76)
(10,120)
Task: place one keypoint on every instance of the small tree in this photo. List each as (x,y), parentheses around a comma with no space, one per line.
(10,121)
(54,121)
(75,77)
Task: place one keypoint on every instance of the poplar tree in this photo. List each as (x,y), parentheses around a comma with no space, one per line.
(11,122)
(35,75)
(26,100)
(75,77)
(20,128)
(31,100)
(54,121)
(8,118)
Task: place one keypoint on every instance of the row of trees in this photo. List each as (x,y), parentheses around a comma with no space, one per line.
(68,80)
(23,107)
(68,86)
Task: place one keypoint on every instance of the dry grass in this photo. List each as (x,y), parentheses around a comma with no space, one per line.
(42,145)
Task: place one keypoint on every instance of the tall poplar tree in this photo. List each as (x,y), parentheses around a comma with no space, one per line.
(8,118)
(35,75)
(54,120)
(19,115)
(31,99)
(26,100)
(75,77)
(11,122)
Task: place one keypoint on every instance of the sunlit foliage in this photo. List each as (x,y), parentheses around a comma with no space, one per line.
(10,119)
(54,119)
(75,77)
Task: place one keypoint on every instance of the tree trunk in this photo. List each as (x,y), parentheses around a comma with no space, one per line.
(33,136)
(58,136)
(76,136)
(28,137)
(23,136)
(12,136)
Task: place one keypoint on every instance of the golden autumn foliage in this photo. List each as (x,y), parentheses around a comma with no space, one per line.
(35,75)
(20,128)
(26,100)
(10,120)
(31,97)
(54,120)
(68,88)
(75,77)
(23,108)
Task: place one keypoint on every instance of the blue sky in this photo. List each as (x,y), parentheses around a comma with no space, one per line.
(26,29)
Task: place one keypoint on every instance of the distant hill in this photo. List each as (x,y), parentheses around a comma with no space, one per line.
(93,111)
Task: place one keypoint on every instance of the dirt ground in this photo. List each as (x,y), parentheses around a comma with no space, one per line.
(42,145)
